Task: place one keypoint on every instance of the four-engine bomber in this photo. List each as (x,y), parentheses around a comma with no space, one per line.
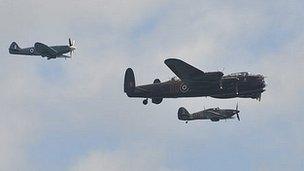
(192,82)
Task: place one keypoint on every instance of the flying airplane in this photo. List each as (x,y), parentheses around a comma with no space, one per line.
(214,114)
(40,49)
(193,82)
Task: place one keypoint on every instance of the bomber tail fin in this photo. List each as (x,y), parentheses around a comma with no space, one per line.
(129,83)
(183,114)
(14,47)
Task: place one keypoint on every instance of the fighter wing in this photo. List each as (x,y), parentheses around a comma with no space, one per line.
(217,115)
(189,73)
(45,50)
(63,56)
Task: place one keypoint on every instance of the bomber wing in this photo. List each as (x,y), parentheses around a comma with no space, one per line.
(188,73)
(45,50)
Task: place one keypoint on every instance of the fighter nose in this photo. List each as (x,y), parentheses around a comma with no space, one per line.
(236,111)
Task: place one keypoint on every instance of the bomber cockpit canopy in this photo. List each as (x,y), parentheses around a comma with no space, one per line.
(238,74)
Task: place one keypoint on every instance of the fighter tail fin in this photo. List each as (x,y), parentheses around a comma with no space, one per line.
(129,84)
(183,114)
(14,47)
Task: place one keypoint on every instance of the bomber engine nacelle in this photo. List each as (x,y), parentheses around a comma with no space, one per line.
(214,119)
(157,100)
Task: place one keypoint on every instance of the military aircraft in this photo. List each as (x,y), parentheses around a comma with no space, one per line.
(40,49)
(214,114)
(193,82)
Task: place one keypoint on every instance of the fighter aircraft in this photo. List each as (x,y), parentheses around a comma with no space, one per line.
(214,114)
(193,82)
(40,49)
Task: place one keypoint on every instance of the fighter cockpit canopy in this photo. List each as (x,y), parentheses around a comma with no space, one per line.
(213,109)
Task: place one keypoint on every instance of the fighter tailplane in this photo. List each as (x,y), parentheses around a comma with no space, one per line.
(183,114)
(14,47)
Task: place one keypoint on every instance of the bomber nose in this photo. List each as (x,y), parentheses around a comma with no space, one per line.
(260,76)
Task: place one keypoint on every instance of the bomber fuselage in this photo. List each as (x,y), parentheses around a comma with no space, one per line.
(229,87)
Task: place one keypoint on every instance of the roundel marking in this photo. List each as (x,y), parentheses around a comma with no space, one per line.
(184,88)
(32,50)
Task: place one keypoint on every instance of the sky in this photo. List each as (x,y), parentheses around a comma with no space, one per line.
(73,114)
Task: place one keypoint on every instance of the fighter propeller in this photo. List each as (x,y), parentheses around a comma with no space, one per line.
(237,114)
(72,46)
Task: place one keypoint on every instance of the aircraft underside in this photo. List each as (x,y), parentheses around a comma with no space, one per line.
(196,83)
(216,93)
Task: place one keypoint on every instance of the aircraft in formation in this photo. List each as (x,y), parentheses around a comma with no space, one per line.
(40,49)
(214,114)
(193,82)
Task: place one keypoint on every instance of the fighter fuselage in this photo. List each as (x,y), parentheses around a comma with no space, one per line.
(33,51)
(214,114)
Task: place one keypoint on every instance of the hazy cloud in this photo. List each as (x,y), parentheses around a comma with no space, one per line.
(122,159)
(73,114)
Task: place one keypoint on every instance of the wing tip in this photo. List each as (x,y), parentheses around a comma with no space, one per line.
(172,60)
(38,44)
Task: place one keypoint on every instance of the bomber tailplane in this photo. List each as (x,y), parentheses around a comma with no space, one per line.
(129,82)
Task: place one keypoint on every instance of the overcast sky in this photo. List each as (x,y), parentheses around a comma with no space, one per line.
(73,114)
